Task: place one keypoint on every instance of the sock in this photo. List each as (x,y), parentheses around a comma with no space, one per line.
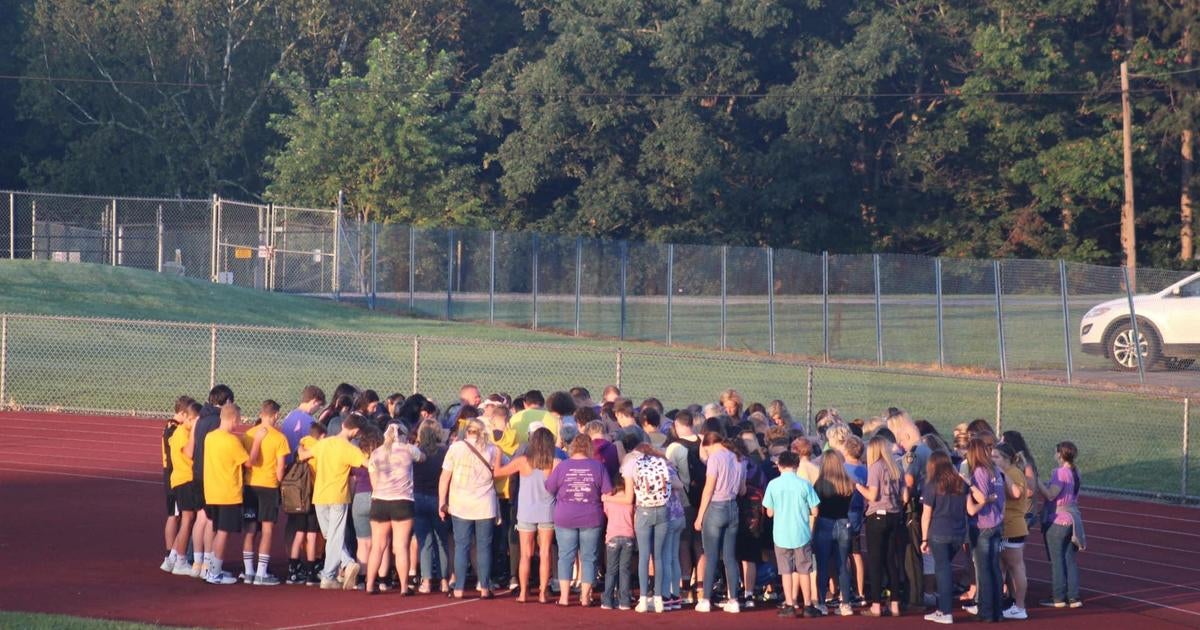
(172,556)
(263,560)
(248,562)
(214,567)
(210,558)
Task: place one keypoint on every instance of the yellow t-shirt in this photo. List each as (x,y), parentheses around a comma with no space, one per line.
(517,433)
(181,464)
(274,447)
(335,457)
(308,442)
(224,456)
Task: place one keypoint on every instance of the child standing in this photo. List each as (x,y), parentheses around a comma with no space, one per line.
(335,456)
(262,492)
(793,503)
(171,526)
(303,529)
(187,497)
(618,542)
(224,462)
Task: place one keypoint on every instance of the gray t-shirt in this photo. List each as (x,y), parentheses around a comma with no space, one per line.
(887,489)
(729,474)
(393,470)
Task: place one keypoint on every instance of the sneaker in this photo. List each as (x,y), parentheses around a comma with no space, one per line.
(821,609)
(199,570)
(330,585)
(1050,603)
(604,606)
(168,564)
(703,606)
(812,612)
(858,602)
(731,606)
(787,612)
(845,611)
(220,578)
(642,605)
(625,607)
(181,568)
(266,580)
(312,578)
(674,604)
(657,604)
(938,616)
(972,609)
(350,576)
(1074,603)
(748,601)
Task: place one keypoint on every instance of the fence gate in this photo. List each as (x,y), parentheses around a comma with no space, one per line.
(303,242)
(243,244)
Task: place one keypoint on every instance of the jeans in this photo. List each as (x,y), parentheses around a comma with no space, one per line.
(831,541)
(1064,572)
(479,532)
(719,533)
(885,536)
(650,523)
(943,550)
(433,536)
(584,541)
(332,519)
(616,580)
(986,555)
(672,571)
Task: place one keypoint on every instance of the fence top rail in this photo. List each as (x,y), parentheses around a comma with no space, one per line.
(34,193)
(674,355)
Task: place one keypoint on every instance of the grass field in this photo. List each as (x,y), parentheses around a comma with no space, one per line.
(34,621)
(1126,440)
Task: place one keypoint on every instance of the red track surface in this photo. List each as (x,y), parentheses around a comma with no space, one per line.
(82,535)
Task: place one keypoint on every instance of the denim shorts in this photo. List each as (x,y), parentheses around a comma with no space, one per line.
(523,526)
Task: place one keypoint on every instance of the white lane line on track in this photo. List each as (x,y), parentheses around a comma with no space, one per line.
(63,474)
(1124,575)
(1128,597)
(39,447)
(1091,552)
(92,469)
(380,616)
(148,446)
(1151,516)
(72,458)
(1141,528)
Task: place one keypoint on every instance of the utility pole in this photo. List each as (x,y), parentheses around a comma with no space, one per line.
(1128,237)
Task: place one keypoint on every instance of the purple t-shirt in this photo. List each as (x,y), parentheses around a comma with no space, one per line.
(1063,478)
(723,465)
(992,514)
(887,489)
(577,485)
(361,479)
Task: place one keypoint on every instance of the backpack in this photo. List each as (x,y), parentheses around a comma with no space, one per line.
(652,483)
(296,489)
(697,470)
(752,518)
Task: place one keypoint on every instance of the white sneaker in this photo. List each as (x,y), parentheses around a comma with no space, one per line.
(1015,613)
(703,606)
(266,580)
(938,616)
(642,605)
(220,578)
(330,585)
(168,564)
(971,608)
(731,606)
(181,567)
(657,603)
(845,611)
(350,576)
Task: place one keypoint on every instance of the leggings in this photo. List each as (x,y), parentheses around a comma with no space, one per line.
(884,548)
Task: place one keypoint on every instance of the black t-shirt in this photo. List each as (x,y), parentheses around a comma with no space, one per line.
(834,506)
(210,420)
(427,473)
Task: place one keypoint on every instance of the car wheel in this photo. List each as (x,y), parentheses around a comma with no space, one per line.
(1121,346)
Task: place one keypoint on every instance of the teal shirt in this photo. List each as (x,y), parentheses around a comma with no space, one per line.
(792,499)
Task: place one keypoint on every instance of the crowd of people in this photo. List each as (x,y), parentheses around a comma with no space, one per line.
(726,505)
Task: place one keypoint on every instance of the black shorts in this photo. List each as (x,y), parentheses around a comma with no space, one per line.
(306,523)
(172,499)
(387,511)
(186,497)
(226,518)
(262,504)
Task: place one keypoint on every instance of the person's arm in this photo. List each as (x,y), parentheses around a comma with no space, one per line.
(812,519)
(870,491)
(974,506)
(517,465)
(189,449)
(280,467)
(256,447)
(1050,490)
(624,498)
(926,519)
(977,493)
(710,484)
(1015,491)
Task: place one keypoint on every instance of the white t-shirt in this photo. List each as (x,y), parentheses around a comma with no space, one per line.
(391,471)
(472,493)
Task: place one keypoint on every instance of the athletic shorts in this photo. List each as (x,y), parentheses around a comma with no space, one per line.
(360,514)
(383,511)
(794,560)
(524,526)
(306,523)
(264,502)
(171,497)
(226,518)
(186,497)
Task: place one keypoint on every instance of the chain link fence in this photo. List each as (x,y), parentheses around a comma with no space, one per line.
(1015,318)
(1134,441)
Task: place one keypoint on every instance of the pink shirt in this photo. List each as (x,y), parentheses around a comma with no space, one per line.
(620,521)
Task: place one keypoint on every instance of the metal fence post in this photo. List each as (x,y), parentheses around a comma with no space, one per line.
(878,312)
(999,318)
(12,226)
(3,361)
(624,247)
(620,365)
(416,382)
(449,273)
(212,357)
(412,269)
(33,230)
(670,288)
(1066,312)
(578,284)
(1137,336)
(771,300)
(337,246)
(216,215)
(941,326)
(534,280)
(808,401)
(492,278)
(113,236)
(374,263)
(158,220)
(999,407)
(724,293)
(825,304)
(1183,477)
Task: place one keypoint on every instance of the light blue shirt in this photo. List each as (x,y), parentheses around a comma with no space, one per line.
(792,499)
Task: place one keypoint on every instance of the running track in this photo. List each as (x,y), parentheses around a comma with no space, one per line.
(82,535)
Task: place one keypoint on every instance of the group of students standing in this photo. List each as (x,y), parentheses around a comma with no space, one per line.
(723,505)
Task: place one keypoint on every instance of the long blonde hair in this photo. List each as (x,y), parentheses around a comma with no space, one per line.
(880,449)
(482,435)
(833,479)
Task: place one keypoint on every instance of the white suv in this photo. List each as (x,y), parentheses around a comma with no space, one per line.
(1168,325)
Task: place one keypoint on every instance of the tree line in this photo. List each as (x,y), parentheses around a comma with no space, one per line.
(987,128)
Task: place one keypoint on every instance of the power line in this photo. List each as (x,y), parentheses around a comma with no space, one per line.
(784,93)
